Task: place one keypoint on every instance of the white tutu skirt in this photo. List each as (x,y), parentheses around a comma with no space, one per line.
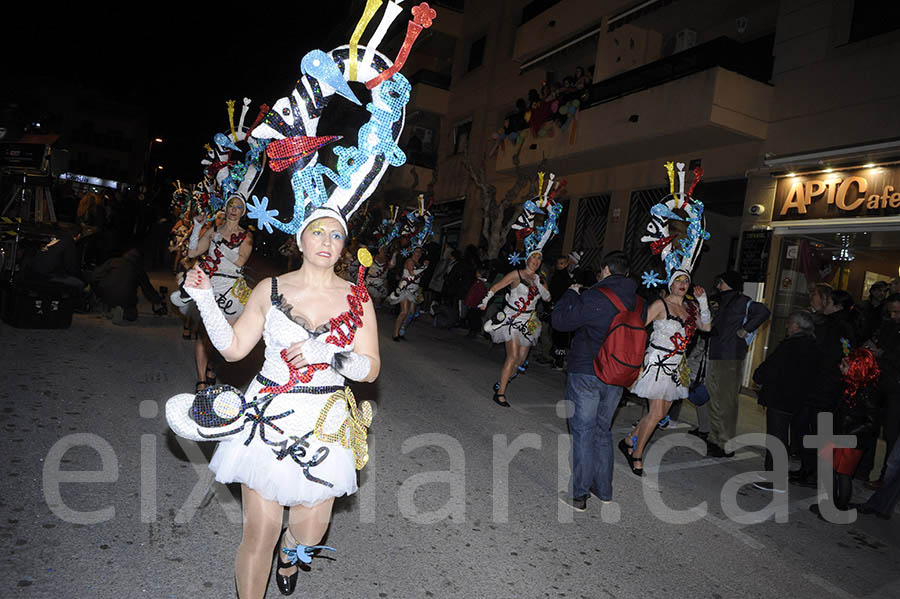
(661,377)
(293,467)
(408,294)
(525,329)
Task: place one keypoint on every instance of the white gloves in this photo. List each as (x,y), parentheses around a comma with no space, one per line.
(194,240)
(705,315)
(350,364)
(220,332)
(487,299)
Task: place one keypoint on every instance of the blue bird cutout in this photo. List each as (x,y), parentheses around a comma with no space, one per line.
(224,141)
(320,66)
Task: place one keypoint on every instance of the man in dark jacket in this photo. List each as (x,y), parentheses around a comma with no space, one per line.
(788,377)
(588,313)
(834,336)
(560,282)
(885,344)
(737,317)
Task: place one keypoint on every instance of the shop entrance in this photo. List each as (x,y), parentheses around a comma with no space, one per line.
(851,258)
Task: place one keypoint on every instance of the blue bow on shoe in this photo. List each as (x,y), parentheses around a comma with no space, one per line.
(303,553)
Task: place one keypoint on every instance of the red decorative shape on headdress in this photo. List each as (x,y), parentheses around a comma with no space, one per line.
(263,110)
(423,15)
(698,172)
(657,246)
(285,152)
(524,232)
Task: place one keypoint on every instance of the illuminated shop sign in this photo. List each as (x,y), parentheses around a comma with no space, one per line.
(840,194)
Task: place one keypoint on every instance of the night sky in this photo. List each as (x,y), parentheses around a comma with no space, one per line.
(181,65)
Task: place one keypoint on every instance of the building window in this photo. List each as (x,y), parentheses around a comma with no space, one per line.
(461,133)
(476,53)
(873,18)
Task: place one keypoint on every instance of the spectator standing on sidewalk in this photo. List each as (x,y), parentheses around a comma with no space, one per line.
(835,335)
(885,344)
(587,313)
(788,379)
(737,317)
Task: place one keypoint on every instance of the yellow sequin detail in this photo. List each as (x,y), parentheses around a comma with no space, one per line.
(241,291)
(352,432)
(364,257)
(684,373)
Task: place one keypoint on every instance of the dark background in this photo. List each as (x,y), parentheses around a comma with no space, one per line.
(178,61)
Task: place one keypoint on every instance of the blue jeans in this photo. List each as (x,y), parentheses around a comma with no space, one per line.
(595,403)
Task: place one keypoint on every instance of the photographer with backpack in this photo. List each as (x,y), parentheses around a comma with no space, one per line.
(607,347)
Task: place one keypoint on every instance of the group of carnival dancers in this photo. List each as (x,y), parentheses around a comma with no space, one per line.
(296,437)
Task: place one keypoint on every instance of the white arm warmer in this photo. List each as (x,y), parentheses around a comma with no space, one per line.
(220,332)
(486,300)
(705,316)
(318,352)
(194,240)
(352,365)
(545,295)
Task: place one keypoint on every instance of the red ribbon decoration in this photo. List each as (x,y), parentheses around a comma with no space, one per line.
(423,15)
(657,246)
(698,172)
(285,152)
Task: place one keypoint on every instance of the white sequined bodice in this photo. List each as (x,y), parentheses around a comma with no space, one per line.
(280,333)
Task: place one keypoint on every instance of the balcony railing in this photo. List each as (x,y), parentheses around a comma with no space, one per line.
(432,78)
(753,60)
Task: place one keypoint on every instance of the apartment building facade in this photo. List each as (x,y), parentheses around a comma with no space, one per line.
(788,106)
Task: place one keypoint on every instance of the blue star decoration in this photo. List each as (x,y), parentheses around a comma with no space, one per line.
(406,252)
(651,279)
(258,209)
(515,258)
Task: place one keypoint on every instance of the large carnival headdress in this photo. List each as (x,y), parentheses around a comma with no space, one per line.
(676,230)
(536,237)
(416,226)
(292,123)
(225,174)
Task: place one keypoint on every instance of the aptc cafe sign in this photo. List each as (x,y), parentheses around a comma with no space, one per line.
(840,194)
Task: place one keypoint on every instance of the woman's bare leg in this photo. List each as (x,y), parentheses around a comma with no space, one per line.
(658,408)
(262,525)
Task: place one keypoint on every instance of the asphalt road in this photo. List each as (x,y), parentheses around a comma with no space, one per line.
(459,498)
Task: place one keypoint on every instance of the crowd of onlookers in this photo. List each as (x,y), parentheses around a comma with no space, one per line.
(555,101)
(804,377)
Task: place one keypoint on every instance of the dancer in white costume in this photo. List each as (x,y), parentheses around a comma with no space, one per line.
(223,252)
(376,278)
(293,440)
(676,232)
(516,324)
(416,229)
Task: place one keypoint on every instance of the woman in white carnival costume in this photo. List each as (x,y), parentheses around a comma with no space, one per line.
(676,232)
(376,278)
(416,229)
(517,324)
(296,437)
(224,246)
(223,252)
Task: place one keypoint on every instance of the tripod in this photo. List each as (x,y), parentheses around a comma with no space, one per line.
(34,200)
